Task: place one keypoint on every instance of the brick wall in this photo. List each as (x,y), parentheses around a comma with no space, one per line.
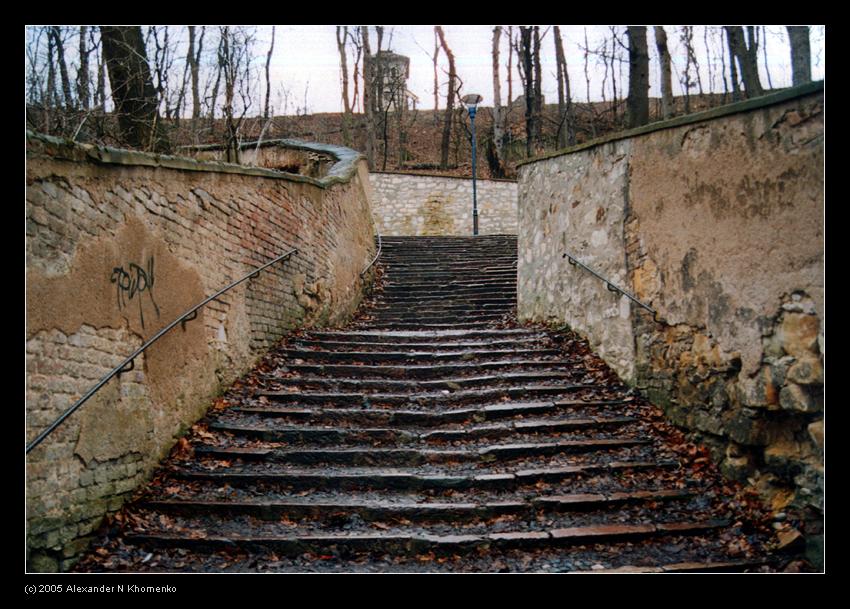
(409,204)
(121,243)
(716,221)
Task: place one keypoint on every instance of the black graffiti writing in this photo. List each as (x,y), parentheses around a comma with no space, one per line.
(132,283)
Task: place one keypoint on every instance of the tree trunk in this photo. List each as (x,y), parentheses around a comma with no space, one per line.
(195,60)
(666,72)
(638,101)
(510,67)
(497,166)
(733,69)
(63,67)
(132,89)
(538,92)
(450,101)
(566,125)
(367,97)
(801,54)
(764,55)
(341,36)
(747,58)
(436,80)
(100,89)
(268,78)
(83,73)
(526,61)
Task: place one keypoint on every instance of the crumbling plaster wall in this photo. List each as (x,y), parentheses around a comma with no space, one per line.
(718,224)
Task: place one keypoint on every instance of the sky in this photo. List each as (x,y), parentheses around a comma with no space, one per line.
(306,61)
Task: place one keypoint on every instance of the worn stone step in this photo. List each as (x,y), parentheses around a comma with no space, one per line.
(464,355)
(379,435)
(401,336)
(731,566)
(415,456)
(425,511)
(461,396)
(400,479)
(400,541)
(429,417)
(415,371)
(331,345)
(392,385)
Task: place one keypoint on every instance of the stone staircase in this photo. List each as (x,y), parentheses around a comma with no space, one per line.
(434,434)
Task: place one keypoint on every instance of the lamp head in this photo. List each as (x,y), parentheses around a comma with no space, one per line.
(471,102)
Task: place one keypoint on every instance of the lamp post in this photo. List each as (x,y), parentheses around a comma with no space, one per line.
(471,102)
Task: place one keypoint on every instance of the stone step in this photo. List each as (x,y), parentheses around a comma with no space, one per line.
(419,319)
(407,479)
(412,543)
(451,383)
(419,511)
(381,435)
(360,335)
(431,417)
(427,371)
(468,396)
(414,456)
(420,347)
(731,566)
(421,357)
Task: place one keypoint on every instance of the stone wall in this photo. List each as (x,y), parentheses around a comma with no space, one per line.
(118,245)
(409,204)
(716,221)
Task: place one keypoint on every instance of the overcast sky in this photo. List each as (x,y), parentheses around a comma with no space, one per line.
(306,59)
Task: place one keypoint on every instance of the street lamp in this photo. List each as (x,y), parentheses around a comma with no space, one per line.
(471,102)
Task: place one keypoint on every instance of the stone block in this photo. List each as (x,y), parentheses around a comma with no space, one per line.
(799,334)
(816,433)
(806,371)
(796,398)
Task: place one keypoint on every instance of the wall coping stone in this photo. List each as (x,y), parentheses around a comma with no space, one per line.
(697,117)
(340,173)
(428,175)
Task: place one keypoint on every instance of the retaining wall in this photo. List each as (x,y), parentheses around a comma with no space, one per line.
(121,243)
(410,204)
(716,221)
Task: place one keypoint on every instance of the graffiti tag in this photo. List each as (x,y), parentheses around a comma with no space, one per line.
(132,283)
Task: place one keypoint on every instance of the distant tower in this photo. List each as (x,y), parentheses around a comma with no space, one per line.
(390,85)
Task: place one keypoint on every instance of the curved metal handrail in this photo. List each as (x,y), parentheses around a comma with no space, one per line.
(573,261)
(128,364)
(375,259)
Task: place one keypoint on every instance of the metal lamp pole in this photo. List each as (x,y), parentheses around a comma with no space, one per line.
(471,102)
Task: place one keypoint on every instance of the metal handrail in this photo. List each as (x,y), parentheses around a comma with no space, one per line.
(573,261)
(375,259)
(128,364)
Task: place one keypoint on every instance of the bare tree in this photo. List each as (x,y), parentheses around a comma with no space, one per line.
(367,99)
(801,54)
(566,124)
(268,78)
(234,57)
(341,37)
(666,72)
(436,79)
(59,47)
(638,100)
(526,60)
(83,72)
(450,100)
(136,103)
(746,53)
(495,152)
